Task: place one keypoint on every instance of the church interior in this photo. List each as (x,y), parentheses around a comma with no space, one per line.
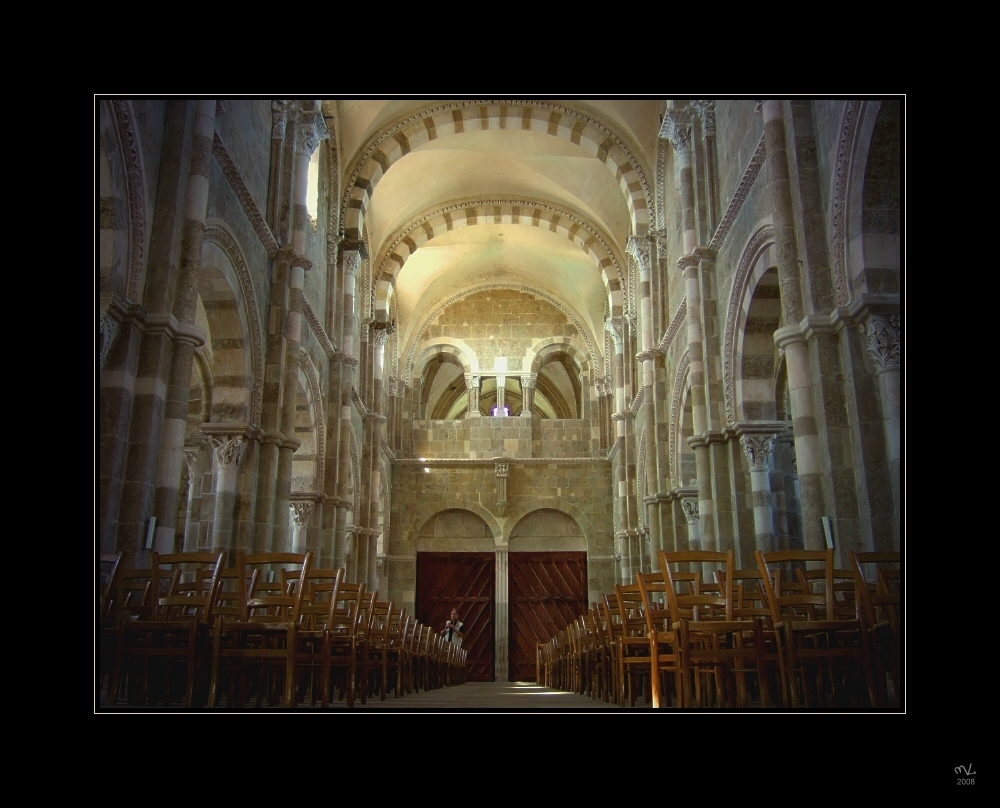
(499,355)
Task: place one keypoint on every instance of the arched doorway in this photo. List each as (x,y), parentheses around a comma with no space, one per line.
(456,570)
(547,568)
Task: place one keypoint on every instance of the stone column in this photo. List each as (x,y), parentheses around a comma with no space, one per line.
(707,111)
(616,327)
(501,389)
(502,639)
(186,336)
(229,449)
(757,449)
(192,516)
(676,128)
(302,513)
(884,337)
(790,338)
(473,384)
(690,507)
(528,395)
(351,257)
(699,410)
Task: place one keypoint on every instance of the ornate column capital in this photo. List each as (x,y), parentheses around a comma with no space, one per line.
(686,261)
(615,326)
(757,449)
(292,258)
(279,118)
(639,248)
(705,254)
(380,336)
(690,508)
(310,129)
(884,335)
(390,385)
(229,449)
(599,386)
(502,468)
(473,381)
(642,356)
(528,381)
(676,128)
(706,109)
(302,511)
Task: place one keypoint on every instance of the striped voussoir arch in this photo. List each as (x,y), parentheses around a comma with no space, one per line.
(529,213)
(541,353)
(457,117)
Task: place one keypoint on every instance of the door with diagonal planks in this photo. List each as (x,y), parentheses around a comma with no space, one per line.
(463,581)
(547,592)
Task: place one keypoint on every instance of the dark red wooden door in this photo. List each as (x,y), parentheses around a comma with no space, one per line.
(463,581)
(547,591)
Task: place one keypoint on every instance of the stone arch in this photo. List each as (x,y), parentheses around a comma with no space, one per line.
(127,215)
(760,318)
(456,348)
(525,508)
(217,235)
(513,211)
(436,404)
(424,515)
(574,362)
(869,228)
(452,118)
(308,369)
(547,530)
(419,332)
(757,253)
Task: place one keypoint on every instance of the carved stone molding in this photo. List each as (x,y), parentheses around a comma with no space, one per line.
(739,195)
(318,331)
(841,180)
(229,450)
(235,180)
(757,449)
(747,261)
(676,128)
(292,258)
(675,326)
(690,507)
(135,197)
(884,336)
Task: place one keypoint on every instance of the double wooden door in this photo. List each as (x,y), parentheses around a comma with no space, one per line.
(463,581)
(547,592)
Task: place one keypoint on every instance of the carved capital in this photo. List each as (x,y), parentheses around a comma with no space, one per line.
(885,338)
(706,109)
(302,512)
(229,450)
(390,385)
(644,355)
(279,118)
(599,386)
(639,248)
(704,253)
(528,382)
(502,469)
(191,459)
(292,258)
(473,382)
(686,261)
(757,449)
(380,337)
(690,507)
(615,326)
(676,128)
(310,129)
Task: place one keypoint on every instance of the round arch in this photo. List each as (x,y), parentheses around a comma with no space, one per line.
(393,142)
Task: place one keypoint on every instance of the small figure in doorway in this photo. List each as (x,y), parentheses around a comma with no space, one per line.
(452,630)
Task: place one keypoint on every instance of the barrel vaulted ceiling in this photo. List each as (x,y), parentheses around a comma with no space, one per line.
(452,194)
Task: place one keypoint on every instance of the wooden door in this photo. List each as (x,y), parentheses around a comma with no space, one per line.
(462,581)
(547,592)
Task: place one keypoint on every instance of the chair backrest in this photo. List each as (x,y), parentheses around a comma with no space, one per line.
(184,584)
(846,605)
(108,573)
(747,594)
(689,598)
(379,623)
(792,603)
(269,599)
(655,604)
(319,598)
(630,607)
(344,619)
(880,595)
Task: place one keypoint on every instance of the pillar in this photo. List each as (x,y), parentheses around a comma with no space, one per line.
(500,624)
(757,449)
(229,451)
(473,384)
(884,335)
(528,395)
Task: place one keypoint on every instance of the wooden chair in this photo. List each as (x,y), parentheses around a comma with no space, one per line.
(108,574)
(665,657)
(880,599)
(750,604)
(163,648)
(713,638)
(309,642)
(815,645)
(634,652)
(253,652)
(394,658)
(379,627)
(343,643)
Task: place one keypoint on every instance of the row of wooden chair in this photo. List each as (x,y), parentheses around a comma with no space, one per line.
(793,632)
(270,627)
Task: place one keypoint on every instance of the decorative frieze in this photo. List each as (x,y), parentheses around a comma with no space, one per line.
(235,180)
(739,195)
(136,197)
(884,336)
(841,180)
